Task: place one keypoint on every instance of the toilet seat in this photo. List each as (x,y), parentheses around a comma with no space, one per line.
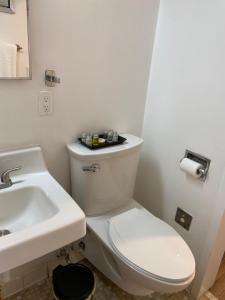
(151,246)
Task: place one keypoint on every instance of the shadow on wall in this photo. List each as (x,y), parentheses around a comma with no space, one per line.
(215,258)
(148,189)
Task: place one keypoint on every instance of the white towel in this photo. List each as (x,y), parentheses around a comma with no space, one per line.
(8,57)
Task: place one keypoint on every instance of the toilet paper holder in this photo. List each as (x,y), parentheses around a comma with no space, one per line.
(204,161)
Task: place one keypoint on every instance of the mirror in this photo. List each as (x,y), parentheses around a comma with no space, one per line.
(6,6)
(14,41)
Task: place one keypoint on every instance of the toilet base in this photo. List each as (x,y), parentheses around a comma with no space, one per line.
(104,261)
(99,251)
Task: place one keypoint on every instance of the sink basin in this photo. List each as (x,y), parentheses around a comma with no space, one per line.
(37,215)
(25,207)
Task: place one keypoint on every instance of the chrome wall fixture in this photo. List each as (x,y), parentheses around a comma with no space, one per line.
(50,78)
(19,48)
(205,162)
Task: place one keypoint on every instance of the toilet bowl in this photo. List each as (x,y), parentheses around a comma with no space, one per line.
(133,248)
(138,251)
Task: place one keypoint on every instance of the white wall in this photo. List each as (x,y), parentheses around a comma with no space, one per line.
(101,50)
(13,29)
(185,110)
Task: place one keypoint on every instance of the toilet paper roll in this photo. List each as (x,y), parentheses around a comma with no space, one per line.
(191,167)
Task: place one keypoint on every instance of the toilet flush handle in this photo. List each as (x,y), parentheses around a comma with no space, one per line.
(92,168)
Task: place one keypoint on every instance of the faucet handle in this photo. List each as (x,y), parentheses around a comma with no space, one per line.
(5,176)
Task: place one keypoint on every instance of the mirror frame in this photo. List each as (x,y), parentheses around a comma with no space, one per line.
(29,77)
(8,9)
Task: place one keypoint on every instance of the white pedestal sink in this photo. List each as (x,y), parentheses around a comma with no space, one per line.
(40,216)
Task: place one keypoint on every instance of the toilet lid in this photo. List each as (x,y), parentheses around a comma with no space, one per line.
(151,246)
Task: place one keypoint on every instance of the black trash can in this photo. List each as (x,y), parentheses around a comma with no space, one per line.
(73,282)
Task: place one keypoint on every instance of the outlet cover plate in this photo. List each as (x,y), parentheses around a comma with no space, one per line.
(45,103)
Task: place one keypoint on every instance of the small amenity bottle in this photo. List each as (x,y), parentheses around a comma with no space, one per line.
(88,140)
(95,139)
(115,137)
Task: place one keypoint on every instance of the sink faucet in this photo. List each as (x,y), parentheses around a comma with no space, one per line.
(5,177)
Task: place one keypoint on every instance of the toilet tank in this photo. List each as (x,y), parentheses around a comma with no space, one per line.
(112,184)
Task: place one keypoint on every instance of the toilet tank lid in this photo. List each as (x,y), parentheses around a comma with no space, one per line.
(79,151)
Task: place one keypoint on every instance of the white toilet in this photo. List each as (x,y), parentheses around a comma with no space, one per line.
(133,248)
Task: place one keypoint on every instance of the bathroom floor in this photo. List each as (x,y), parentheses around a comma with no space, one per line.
(105,290)
(218,289)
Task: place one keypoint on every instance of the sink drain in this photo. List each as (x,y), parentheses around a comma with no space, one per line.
(4,232)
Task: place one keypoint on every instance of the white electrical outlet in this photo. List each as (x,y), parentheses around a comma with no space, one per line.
(45,103)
